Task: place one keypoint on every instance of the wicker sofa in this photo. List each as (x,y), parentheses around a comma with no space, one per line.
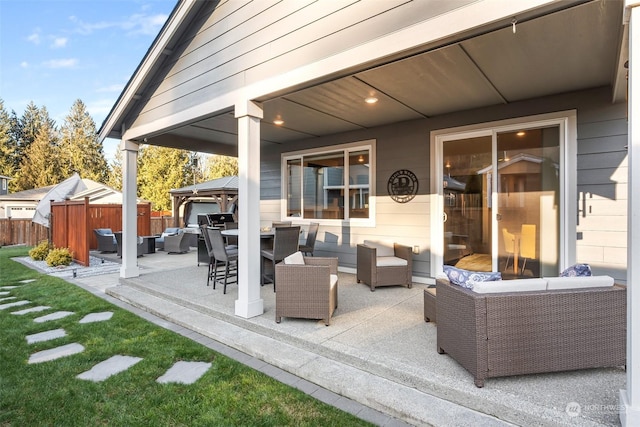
(513,333)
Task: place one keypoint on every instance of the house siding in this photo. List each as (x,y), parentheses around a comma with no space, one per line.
(601,179)
(236,43)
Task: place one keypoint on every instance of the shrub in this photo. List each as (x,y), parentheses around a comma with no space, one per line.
(59,256)
(40,252)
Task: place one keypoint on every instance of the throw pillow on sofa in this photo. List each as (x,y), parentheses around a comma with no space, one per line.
(465,278)
(577,270)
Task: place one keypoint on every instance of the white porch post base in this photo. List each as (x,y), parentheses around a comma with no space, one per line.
(129,210)
(249,302)
(629,415)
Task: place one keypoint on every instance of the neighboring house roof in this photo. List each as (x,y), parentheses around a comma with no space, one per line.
(97,193)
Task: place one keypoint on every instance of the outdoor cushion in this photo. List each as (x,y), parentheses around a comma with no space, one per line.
(390,261)
(295,258)
(461,277)
(333,280)
(579,282)
(577,270)
(382,249)
(515,285)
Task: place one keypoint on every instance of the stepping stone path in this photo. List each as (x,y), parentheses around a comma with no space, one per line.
(46,336)
(56,353)
(53,316)
(181,372)
(113,365)
(184,372)
(31,310)
(96,317)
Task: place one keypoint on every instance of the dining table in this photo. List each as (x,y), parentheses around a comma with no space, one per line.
(266,236)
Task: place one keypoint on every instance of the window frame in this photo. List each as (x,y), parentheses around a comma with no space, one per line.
(365,145)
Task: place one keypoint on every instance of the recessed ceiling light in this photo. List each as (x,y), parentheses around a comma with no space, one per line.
(278,122)
(521,133)
(371,100)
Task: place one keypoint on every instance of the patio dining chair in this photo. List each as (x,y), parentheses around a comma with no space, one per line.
(221,255)
(309,245)
(285,242)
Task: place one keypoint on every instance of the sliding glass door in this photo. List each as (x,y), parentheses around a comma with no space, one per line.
(500,200)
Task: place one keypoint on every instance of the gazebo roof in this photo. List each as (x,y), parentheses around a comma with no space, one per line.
(226,185)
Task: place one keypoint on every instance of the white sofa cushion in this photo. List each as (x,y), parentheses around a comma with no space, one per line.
(390,261)
(578,282)
(515,285)
(295,258)
(382,249)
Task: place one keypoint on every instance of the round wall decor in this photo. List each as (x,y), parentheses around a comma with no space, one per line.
(402,185)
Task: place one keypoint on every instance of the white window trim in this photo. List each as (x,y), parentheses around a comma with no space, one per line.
(567,121)
(369,145)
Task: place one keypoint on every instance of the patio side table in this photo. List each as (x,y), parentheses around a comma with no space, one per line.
(149,244)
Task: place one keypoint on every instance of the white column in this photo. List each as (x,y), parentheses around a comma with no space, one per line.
(129,209)
(630,398)
(249,302)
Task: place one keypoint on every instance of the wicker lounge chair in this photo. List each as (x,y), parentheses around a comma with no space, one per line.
(515,333)
(178,243)
(139,246)
(170,231)
(106,240)
(308,291)
(384,265)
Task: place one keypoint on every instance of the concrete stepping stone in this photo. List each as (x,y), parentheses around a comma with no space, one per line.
(184,372)
(111,366)
(53,316)
(14,304)
(46,336)
(6,288)
(7,298)
(27,281)
(56,353)
(31,310)
(96,317)
(5,293)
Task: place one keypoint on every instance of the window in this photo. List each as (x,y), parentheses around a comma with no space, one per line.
(332,183)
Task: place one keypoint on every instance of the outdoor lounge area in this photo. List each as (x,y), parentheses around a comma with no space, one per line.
(381,336)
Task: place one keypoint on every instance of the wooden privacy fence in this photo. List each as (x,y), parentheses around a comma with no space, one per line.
(72,224)
(21,232)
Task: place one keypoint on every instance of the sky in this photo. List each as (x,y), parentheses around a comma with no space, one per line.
(55,52)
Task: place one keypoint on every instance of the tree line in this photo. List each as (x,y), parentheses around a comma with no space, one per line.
(35,153)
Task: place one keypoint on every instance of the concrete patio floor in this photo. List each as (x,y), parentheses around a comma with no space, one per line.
(378,351)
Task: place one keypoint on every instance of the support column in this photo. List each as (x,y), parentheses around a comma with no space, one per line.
(129,210)
(630,398)
(249,302)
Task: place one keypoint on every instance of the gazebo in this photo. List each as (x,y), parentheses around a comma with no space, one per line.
(223,191)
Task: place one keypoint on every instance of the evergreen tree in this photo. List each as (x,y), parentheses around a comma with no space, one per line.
(7,144)
(80,150)
(161,169)
(39,164)
(221,166)
(115,172)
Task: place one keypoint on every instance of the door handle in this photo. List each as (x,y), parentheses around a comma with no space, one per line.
(444,217)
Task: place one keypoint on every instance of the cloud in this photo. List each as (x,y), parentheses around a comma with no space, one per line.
(61,63)
(59,42)
(24,64)
(34,37)
(136,24)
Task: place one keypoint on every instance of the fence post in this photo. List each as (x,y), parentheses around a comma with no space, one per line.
(10,231)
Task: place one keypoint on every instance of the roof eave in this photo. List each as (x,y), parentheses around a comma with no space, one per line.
(111,126)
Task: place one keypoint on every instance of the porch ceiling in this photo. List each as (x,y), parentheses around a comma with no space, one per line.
(573,49)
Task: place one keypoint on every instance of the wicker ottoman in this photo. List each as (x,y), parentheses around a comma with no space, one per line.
(430,305)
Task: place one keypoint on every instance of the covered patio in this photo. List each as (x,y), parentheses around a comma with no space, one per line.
(378,351)
(386,82)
